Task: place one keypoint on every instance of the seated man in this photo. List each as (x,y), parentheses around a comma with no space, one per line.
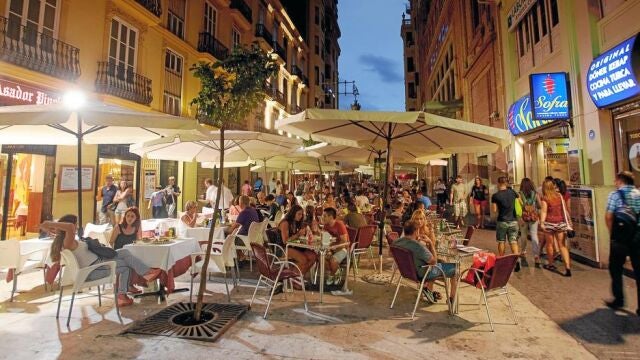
(338,230)
(272,206)
(354,219)
(426,256)
(246,216)
(420,197)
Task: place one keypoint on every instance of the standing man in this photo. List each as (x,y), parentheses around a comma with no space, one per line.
(625,237)
(503,203)
(272,186)
(420,196)
(171,198)
(458,199)
(108,193)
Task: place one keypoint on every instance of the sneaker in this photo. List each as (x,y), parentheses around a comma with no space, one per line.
(615,304)
(428,296)
(124,300)
(567,273)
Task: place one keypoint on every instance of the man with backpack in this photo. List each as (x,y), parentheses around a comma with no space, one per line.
(623,207)
(503,205)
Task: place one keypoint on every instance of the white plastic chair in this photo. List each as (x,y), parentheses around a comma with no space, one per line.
(11,258)
(222,259)
(72,275)
(254,235)
(277,219)
(98,232)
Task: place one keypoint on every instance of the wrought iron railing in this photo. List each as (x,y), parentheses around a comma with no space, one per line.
(26,47)
(263,32)
(154,6)
(118,80)
(209,44)
(280,97)
(296,71)
(281,51)
(244,9)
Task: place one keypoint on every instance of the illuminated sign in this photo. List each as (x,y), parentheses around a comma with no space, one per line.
(520,118)
(550,97)
(611,77)
(12,93)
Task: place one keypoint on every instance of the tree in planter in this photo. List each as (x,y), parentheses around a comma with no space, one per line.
(230,91)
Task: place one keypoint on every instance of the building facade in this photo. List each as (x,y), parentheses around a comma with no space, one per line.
(453,68)
(135,54)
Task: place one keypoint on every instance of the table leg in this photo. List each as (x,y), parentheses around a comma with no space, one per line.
(322,255)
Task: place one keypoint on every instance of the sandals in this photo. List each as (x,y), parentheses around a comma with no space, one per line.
(436,295)
(550,267)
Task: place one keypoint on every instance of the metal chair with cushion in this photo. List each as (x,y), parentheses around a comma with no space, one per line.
(404,261)
(273,273)
(494,282)
(362,245)
(468,235)
(352,233)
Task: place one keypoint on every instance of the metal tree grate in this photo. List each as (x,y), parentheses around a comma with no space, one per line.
(221,317)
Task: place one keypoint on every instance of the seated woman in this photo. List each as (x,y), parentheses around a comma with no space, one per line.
(424,230)
(188,219)
(128,231)
(330,202)
(293,226)
(290,201)
(234,209)
(65,229)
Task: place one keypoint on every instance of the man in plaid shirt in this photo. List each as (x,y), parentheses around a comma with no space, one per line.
(622,247)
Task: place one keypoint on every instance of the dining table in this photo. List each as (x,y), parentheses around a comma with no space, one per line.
(461,256)
(38,250)
(201,234)
(173,257)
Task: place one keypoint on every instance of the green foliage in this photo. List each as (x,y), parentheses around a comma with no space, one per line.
(309,142)
(233,88)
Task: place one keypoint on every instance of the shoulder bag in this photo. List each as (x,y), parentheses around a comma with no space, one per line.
(570,232)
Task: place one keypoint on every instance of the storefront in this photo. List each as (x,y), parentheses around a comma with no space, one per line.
(117,161)
(26,193)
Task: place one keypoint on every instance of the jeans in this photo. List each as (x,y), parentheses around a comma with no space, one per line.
(125,262)
(530,229)
(619,252)
(159,212)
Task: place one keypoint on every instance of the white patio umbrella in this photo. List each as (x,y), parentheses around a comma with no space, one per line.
(92,123)
(302,164)
(417,132)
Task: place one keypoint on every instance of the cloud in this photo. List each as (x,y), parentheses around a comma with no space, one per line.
(387,69)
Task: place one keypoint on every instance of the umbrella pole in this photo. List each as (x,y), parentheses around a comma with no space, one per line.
(321,180)
(79,137)
(264,161)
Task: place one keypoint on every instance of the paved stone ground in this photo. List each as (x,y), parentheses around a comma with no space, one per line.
(576,304)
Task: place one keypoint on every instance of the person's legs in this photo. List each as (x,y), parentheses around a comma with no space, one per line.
(125,258)
(535,242)
(483,207)
(478,209)
(512,236)
(564,250)
(617,257)
(523,238)
(102,217)
(456,213)
(634,255)
(299,258)
(501,236)
(549,240)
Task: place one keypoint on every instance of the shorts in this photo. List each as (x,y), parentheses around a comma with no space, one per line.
(449,270)
(460,209)
(482,203)
(120,211)
(507,231)
(555,227)
(340,255)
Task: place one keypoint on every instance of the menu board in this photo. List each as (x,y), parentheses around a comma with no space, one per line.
(149,183)
(582,205)
(68,178)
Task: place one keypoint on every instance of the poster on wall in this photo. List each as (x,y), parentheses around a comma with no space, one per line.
(574,167)
(585,243)
(633,141)
(68,178)
(149,183)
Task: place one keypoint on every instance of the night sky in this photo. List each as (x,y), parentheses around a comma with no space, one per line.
(372,52)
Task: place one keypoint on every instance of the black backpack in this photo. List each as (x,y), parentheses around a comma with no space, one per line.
(103,252)
(625,221)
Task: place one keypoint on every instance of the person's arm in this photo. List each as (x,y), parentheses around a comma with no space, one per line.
(608,220)
(543,214)
(69,229)
(284,231)
(114,235)
(139,233)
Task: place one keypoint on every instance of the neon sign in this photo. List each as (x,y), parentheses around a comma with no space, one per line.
(550,96)
(520,119)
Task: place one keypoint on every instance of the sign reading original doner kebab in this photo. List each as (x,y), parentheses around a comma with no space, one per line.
(12,93)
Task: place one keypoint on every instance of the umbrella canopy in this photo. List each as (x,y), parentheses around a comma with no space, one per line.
(92,123)
(356,155)
(56,124)
(239,146)
(417,132)
(300,163)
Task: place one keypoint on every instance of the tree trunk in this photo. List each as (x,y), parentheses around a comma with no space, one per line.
(216,215)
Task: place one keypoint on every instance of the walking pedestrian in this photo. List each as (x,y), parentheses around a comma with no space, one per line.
(171,198)
(458,199)
(479,194)
(108,193)
(440,189)
(530,201)
(623,207)
(503,203)
(555,223)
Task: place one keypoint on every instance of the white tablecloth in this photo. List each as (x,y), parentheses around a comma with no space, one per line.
(202,234)
(151,224)
(164,256)
(100,232)
(30,245)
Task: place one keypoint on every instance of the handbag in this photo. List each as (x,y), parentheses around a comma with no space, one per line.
(517,207)
(570,232)
(103,252)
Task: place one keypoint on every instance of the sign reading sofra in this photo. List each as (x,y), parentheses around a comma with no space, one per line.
(611,77)
(550,96)
(12,93)
(519,117)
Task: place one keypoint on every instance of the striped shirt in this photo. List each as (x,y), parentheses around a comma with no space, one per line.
(631,195)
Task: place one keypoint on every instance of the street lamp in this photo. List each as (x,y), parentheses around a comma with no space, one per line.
(74,99)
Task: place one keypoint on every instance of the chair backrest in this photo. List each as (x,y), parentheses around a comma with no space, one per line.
(391,237)
(365,236)
(255,233)
(501,271)
(397,228)
(90,228)
(278,217)
(262,260)
(10,254)
(353,233)
(404,262)
(228,249)
(468,235)
(273,236)
(70,269)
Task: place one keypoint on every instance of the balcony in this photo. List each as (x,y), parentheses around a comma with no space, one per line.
(154,6)
(296,71)
(263,33)
(119,81)
(33,50)
(305,79)
(280,98)
(209,44)
(243,8)
(281,51)
(294,109)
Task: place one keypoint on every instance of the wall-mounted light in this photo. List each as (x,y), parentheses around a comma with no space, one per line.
(565,128)
(521,141)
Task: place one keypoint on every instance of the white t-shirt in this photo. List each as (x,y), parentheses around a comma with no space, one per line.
(210,196)
(362,201)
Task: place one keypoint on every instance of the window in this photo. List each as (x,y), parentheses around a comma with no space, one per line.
(316,45)
(536,33)
(412,90)
(173,68)
(409,38)
(261,14)
(27,18)
(443,85)
(123,43)
(235,38)
(275,32)
(327,71)
(316,16)
(316,71)
(410,65)
(210,19)
(475,14)
(175,17)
